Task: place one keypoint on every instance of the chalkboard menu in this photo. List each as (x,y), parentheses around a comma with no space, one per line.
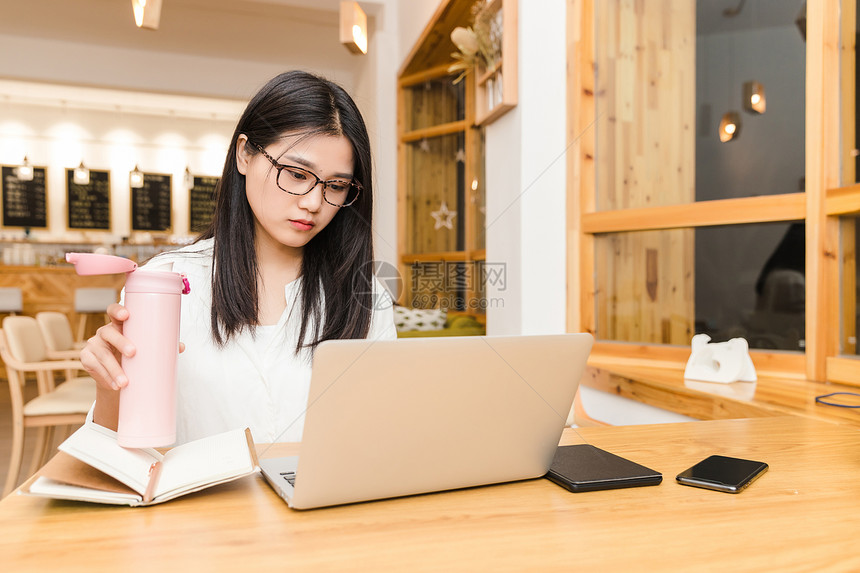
(88,205)
(25,203)
(150,204)
(202,203)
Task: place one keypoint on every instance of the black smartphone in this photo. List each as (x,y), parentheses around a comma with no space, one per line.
(722,473)
(584,467)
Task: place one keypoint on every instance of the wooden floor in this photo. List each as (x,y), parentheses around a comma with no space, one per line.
(6,432)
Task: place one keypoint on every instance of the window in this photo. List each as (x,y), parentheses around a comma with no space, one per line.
(679,232)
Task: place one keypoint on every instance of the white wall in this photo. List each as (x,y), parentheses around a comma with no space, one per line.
(114,139)
(526,182)
(413,17)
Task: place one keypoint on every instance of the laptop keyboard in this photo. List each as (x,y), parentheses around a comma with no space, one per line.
(290,477)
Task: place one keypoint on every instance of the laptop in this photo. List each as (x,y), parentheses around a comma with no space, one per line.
(418,415)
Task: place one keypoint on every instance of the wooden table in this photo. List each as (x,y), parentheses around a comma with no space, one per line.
(803,514)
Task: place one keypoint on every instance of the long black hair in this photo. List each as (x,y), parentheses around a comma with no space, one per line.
(337,260)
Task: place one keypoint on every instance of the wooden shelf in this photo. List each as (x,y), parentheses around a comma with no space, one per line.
(449,256)
(496,86)
(442,177)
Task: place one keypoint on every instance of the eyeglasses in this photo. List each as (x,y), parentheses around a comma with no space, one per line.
(299,181)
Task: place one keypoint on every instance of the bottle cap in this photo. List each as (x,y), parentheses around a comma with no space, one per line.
(96,264)
(166,282)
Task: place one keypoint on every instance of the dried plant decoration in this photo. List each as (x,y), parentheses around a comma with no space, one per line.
(478,45)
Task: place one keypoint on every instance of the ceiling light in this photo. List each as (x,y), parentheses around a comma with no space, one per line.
(81,175)
(147,13)
(353,27)
(730,126)
(24,171)
(135,178)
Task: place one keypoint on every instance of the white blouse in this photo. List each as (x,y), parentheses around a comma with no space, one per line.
(255,380)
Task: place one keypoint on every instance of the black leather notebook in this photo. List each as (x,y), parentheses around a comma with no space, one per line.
(586,468)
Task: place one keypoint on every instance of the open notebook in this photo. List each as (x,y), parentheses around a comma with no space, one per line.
(401,417)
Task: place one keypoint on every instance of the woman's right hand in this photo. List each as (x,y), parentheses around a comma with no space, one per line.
(101,355)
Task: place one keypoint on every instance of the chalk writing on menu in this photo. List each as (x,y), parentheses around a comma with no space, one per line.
(88,205)
(25,203)
(202,203)
(150,204)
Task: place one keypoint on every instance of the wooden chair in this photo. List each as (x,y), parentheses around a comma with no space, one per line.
(92,301)
(24,351)
(11,300)
(59,340)
(57,334)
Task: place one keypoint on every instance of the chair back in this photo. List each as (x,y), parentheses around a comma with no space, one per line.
(94,299)
(56,331)
(11,299)
(24,339)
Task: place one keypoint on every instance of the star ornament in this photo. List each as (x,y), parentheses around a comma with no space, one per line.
(443,217)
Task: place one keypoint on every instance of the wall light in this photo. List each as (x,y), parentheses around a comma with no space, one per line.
(730,126)
(135,178)
(754,98)
(353,27)
(81,175)
(147,13)
(24,171)
(188,178)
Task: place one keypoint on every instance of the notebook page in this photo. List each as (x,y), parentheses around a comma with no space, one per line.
(46,487)
(205,461)
(97,446)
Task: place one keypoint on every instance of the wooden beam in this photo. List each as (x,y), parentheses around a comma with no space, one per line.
(844,370)
(843,200)
(763,209)
(451,256)
(822,173)
(434,131)
(402,187)
(789,365)
(581,295)
(424,76)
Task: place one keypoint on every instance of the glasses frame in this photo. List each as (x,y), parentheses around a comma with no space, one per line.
(325,182)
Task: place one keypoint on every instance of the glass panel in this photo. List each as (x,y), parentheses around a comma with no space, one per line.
(668,72)
(435,195)
(728,281)
(449,285)
(478,196)
(850,241)
(435,102)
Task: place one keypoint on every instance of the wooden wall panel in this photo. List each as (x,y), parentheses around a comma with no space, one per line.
(646,60)
(53,288)
(433,179)
(433,102)
(646,95)
(646,290)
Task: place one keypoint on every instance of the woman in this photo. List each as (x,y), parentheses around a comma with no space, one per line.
(284,266)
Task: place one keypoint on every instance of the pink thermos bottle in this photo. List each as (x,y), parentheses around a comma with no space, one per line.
(147,405)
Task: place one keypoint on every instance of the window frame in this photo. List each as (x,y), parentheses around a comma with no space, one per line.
(828,103)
